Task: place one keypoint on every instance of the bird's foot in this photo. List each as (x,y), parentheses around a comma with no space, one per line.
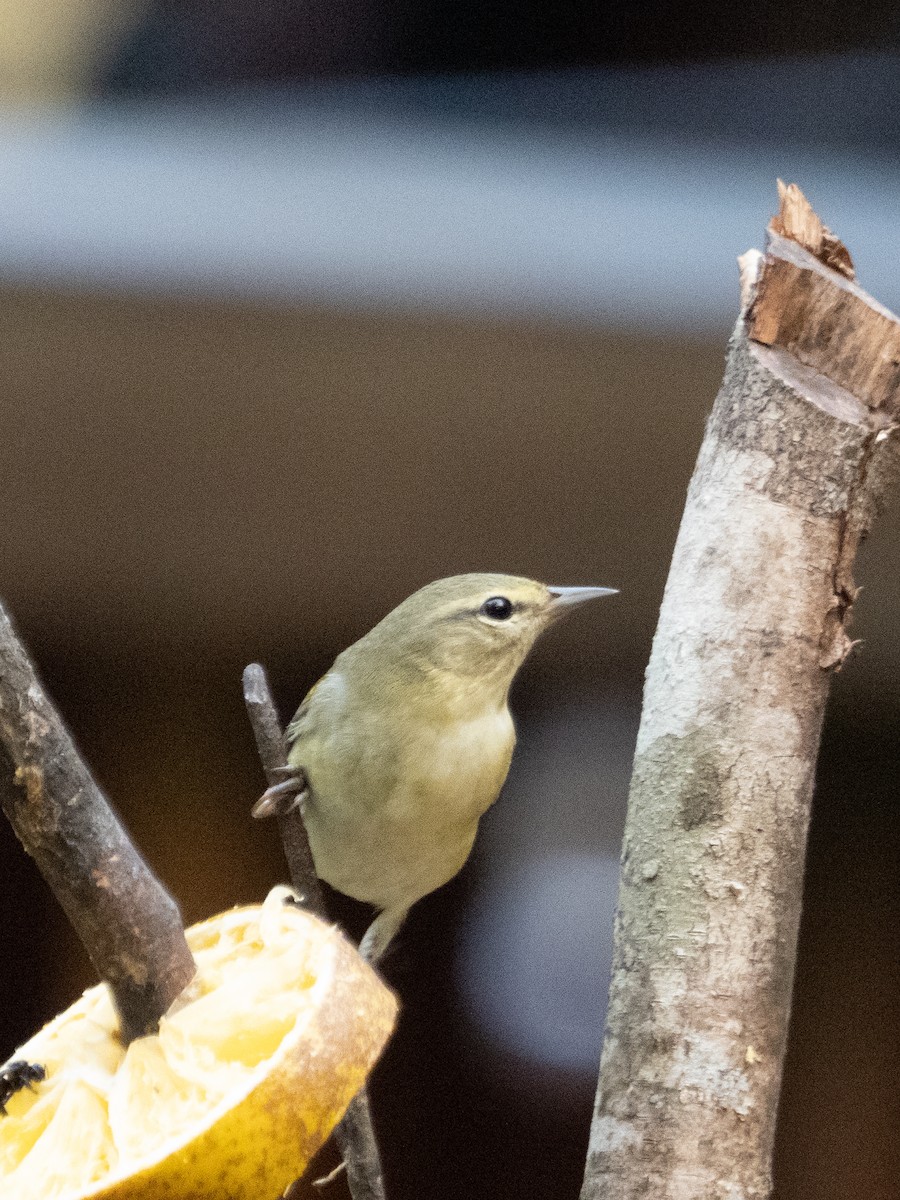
(378,936)
(331,1176)
(281,798)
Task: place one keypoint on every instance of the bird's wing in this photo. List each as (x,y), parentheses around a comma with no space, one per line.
(300,719)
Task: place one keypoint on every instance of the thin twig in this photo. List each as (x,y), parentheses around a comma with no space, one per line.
(355,1134)
(129,924)
(272,748)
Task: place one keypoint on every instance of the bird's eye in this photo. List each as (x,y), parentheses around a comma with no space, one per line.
(498,608)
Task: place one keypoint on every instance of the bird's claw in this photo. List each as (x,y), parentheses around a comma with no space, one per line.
(331,1176)
(281,798)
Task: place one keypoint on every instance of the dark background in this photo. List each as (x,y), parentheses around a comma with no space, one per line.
(193,478)
(186,43)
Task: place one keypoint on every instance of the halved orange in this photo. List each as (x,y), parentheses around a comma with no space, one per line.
(251,1069)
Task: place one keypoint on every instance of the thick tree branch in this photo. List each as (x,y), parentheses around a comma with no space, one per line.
(355,1134)
(752,624)
(128,923)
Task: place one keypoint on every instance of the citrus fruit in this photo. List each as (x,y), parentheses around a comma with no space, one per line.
(251,1069)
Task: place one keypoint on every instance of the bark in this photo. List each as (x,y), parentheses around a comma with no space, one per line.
(272,748)
(753,623)
(356,1134)
(128,923)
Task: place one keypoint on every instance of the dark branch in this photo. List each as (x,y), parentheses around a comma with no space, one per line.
(129,924)
(272,749)
(356,1138)
(355,1134)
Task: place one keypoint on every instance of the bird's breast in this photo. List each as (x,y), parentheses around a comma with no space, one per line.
(394,815)
(458,768)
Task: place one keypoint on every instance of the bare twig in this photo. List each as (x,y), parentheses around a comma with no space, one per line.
(272,748)
(753,622)
(355,1134)
(129,924)
(356,1139)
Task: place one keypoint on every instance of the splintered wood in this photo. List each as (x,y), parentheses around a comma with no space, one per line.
(808,303)
(798,222)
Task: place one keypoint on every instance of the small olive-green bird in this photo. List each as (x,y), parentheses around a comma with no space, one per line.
(401,747)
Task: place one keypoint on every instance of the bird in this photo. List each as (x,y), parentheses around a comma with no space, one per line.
(402,746)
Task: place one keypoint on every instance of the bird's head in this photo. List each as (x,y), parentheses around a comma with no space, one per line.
(476,629)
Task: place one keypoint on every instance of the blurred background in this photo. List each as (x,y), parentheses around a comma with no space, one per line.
(303,305)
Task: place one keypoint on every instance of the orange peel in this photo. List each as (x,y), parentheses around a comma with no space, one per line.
(251,1069)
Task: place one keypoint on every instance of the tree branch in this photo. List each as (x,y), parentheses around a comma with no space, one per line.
(128,923)
(355,1134)
(752,624)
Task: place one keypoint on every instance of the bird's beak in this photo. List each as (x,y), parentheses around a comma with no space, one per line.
(562,597)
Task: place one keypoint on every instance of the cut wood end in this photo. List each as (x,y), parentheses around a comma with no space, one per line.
(805,301)
(798,221)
